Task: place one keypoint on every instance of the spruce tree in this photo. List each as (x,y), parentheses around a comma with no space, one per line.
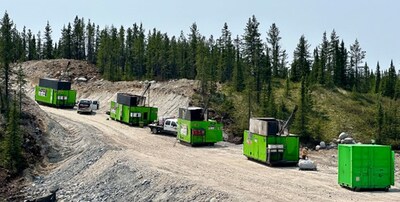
(47,43)
(378,78)
(6,47)
(252,55)
(301,62)
(357,55)
(390,82)
(238,77)
(273,39)
(13,141)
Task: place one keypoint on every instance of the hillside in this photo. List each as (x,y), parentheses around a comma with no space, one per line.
(89,157)
(334,110)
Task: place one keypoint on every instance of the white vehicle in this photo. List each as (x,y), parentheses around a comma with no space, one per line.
(167,126)
(87,106)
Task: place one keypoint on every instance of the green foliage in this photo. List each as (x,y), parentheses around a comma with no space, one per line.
(12,152)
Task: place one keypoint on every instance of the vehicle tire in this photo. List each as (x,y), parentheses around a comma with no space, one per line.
(154,130)
(78,112)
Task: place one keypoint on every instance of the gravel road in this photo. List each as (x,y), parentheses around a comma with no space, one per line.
(102,160)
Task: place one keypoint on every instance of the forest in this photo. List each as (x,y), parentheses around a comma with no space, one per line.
(247,65)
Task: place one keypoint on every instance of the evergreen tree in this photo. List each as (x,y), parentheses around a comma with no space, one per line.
(78,39)
(273,39)
(47,43)
(316,66)
(324,55)
(238,77)
(357,55)
(390,83)
(6,47)
(65,44)
(252,55)
(269,106)
(194,36)
(301,62)
(302,115)
(90,33)
(39,48)
(378,78)
(13,141)
(227,55)
(173,58)
(31,46)
(24,44)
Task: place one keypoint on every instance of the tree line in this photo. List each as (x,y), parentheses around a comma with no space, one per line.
(247,63)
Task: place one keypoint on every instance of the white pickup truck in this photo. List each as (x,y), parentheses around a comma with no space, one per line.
(167,126)
(87,106)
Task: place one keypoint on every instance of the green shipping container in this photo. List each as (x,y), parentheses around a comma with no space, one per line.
(53,97)
(199,132)
(271,149)
(133,115)
(365,166)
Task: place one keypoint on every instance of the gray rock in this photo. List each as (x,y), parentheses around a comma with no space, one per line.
(307,165)
(322,145)
(317,147)
(348,140)
(343,135)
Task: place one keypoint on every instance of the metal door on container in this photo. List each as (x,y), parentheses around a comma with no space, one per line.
(120,112)
(364,178)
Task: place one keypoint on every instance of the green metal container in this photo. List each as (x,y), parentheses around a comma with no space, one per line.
(271,149)
(365,166)
(199,132)
(133,115)
(56,98)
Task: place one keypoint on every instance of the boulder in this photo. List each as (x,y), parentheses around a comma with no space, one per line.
(348,140)
(307,165)
(322,145)
(317,147)
(343,135)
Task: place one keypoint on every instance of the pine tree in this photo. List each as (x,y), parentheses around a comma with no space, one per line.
(31,46)
(273,39)
(302,116)
(13,141)
(316,66)
(238,78)
(39,48)
(378,78)
(24,44)
(357,55)
(301,62)
(6,47)
(227,55)
(252,55)
(90,33)
(194,36)
(324,55)
(390,83)
(47,43)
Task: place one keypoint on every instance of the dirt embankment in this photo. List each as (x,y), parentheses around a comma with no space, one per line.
(95,159)
(167,96)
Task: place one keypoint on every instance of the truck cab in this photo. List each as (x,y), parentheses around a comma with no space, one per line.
(167,126)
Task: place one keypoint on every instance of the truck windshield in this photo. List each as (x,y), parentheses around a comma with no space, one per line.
(85,102)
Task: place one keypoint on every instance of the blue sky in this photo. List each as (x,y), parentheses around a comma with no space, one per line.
(372,22)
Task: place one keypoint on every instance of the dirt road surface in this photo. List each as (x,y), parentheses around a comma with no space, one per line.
(104,160)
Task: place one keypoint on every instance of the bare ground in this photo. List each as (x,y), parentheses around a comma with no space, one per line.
(118,161)
(95,159)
